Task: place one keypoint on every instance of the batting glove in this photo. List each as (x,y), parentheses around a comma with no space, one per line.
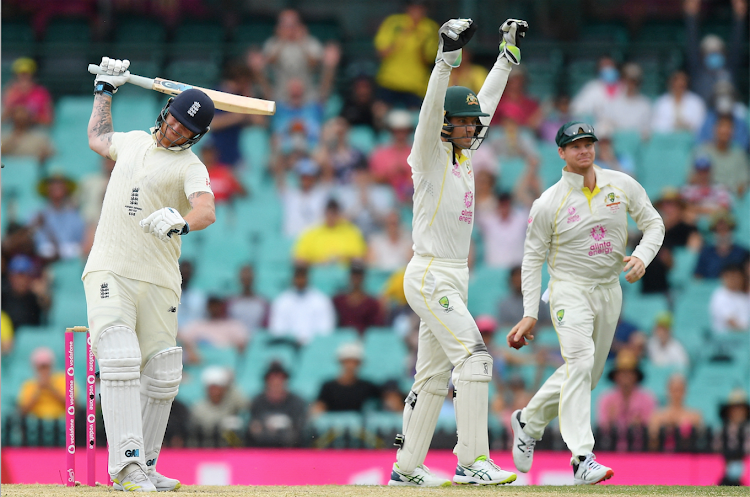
(512,31)
(117,72)
(454,34)
(164,223)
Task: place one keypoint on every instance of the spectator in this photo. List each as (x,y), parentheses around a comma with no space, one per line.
(356,308)
(360,107)
(220,410)
(678,109)
(734,436)
(630,110)
(224,184)
(304,205)
(226,127)
(504,232)
(365,202)
(596,96)
(27,298)
(730,303)
(674,417)
(627,404)
(388,163)
(6,334)
(730,164)
(43,396)
(725,103)
(626,334)
(485,199)
(302,312)
(297,123)
(335,153)
(390,249)
(607,157)
(507,141)
(347,392)
(704,197)
(468,74)
(248,307)
(90,199)
(723,251)
(556,117)
(277,416)
(392,398)
(25,139)
(335,240)
(217,330)
(511,307)
(292,54)
(516,105)
(24,92)
(406,44)
(512,396)
(192,300)
(710,61)
(59,225)
(664,350)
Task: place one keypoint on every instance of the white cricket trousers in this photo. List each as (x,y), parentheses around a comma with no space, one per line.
(585,319)
(437,289)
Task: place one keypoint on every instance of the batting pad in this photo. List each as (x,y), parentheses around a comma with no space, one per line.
(472,394)
(119,367)
(160,382)
(420,418)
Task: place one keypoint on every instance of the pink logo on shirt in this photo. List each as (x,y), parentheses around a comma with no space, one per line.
(530,219)
(456,171)
(468,199)
(572,216)
(598,232)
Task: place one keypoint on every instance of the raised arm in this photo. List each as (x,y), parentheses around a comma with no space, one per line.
(100,129)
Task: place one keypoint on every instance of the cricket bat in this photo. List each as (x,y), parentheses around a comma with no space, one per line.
(224,101)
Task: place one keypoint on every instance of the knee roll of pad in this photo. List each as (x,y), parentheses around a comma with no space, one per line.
(472,399)
(119,354)
(162,374)
(420,418)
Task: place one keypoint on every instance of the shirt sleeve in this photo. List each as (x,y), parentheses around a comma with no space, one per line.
(648,221)
(538,240)
(117,142)
(492,90)
(425,152)
(196,179)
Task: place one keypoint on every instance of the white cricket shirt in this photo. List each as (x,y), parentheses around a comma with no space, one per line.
(146,178)
(443,187)
(583,234)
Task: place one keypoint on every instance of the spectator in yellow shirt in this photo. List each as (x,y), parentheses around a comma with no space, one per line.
(336,240)
(43,396)
(6,333)
(468,74)
(406,44)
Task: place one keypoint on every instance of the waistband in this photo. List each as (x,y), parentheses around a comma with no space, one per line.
(435,261)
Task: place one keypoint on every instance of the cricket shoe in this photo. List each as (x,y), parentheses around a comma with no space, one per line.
(420,477)
(589,472)
(163,483)
(135,481)
(523,445)
(483,472)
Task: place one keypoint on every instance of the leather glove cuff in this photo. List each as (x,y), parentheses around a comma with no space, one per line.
(105,88)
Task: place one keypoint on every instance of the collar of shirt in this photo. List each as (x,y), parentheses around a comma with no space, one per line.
(576,180)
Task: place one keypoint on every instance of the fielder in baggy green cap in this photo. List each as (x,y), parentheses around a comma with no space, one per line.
(572,131)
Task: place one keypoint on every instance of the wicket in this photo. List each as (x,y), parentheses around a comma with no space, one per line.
(70,408)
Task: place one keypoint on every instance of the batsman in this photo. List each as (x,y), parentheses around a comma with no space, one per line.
(452,123)
(159,191)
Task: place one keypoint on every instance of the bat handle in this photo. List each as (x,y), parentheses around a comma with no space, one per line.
(133,79)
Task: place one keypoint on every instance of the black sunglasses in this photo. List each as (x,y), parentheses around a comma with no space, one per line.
(578,129)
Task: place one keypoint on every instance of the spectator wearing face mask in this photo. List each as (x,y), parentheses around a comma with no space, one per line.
(596,96)
(724,103)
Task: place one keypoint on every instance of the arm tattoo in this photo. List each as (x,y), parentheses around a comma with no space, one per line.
(193,196)
(100,125)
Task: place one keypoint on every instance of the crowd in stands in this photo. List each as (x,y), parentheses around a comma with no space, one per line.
(347,204)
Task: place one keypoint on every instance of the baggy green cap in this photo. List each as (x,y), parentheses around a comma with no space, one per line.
(462,102)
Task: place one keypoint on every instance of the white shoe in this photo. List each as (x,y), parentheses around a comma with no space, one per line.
(163,483)
(523,445)
(483,472)
(590,472)
(135,481)
(420,477)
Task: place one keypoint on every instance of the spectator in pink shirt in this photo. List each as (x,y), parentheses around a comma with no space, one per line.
(218,330)
(516,105)
(388,162)
(23,91)
(627,404)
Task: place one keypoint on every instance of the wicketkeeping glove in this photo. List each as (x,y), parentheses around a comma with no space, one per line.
(512,31)
(117,72)
(164,223)
(454,34)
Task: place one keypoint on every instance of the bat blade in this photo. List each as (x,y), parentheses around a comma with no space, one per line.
(223,101)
